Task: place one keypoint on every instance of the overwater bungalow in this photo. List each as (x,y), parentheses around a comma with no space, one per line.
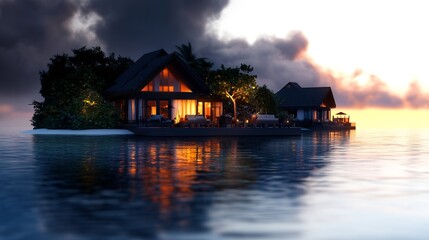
(161,88)
(160,95)
(311,107)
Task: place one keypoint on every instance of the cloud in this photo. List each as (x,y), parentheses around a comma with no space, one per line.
(33,31)
(277,61)
(415,97)
(132,28)
(374,93)
(30,33)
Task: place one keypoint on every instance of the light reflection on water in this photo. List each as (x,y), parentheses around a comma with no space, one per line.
(367,184)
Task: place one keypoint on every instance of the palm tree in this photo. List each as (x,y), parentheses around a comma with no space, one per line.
(200,65)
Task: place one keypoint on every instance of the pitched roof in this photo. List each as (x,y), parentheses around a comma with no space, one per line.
(146,68)
(292,95)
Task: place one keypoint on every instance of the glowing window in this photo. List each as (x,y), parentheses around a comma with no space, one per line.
(184,88)
(148,88)
(200,108)
(150,108)
(165,81)
(207,109)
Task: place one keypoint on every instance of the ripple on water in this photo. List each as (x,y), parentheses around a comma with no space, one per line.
(368,183)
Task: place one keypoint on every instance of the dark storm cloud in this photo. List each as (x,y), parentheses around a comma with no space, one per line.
(30,32)
(276,61)
(132,28)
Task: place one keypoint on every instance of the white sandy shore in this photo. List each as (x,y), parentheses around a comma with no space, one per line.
(87,132)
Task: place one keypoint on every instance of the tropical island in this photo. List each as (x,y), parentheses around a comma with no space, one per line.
(174,91)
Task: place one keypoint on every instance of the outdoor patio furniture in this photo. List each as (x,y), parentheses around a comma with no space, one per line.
(265,120)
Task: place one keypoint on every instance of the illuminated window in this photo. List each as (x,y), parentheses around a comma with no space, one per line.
(166,88)
(165,81)
(150,108)
(207,109)
(200,108)
(148,88)
(184,88)
(165,73)
(181,108)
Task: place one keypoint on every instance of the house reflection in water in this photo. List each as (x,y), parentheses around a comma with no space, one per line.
(173,171)
(139,186)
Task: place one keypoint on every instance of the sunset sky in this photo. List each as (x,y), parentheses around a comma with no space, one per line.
(372,53)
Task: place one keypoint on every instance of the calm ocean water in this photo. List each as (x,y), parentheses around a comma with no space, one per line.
(363,184)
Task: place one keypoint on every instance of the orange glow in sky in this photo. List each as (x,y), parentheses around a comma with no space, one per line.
(388,39)
(387,118)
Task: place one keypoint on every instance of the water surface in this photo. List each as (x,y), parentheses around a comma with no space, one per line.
(363,184)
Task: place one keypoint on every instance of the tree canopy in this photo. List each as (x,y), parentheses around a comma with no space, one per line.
(201,65)
(73,87)
(233,84)
(263,100)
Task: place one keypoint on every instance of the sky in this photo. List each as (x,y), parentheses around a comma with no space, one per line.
(372,53)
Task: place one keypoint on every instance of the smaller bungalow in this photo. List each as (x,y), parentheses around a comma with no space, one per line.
(162,86)
(310,105)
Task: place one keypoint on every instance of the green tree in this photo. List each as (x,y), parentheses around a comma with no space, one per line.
(234,84)
(92,111)
(263,100)
(69,81)
(201,65)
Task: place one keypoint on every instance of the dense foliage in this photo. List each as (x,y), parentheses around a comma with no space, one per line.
(201,65)
(234,84)
(73,87)
(263,100)
(237,86)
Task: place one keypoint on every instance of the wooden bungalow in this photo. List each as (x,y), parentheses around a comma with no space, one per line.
(307,105)
(161,86)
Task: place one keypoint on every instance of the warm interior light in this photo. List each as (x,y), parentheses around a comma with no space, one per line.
(166,82)
(164,73)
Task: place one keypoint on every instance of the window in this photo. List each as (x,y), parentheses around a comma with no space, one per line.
(200,108)
(184,88)
(150,108)
(148,88)
(181,108)
(165,81)
(207,109)
(166,88)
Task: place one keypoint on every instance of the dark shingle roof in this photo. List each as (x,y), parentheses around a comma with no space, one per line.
(146,68)
(294,96)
